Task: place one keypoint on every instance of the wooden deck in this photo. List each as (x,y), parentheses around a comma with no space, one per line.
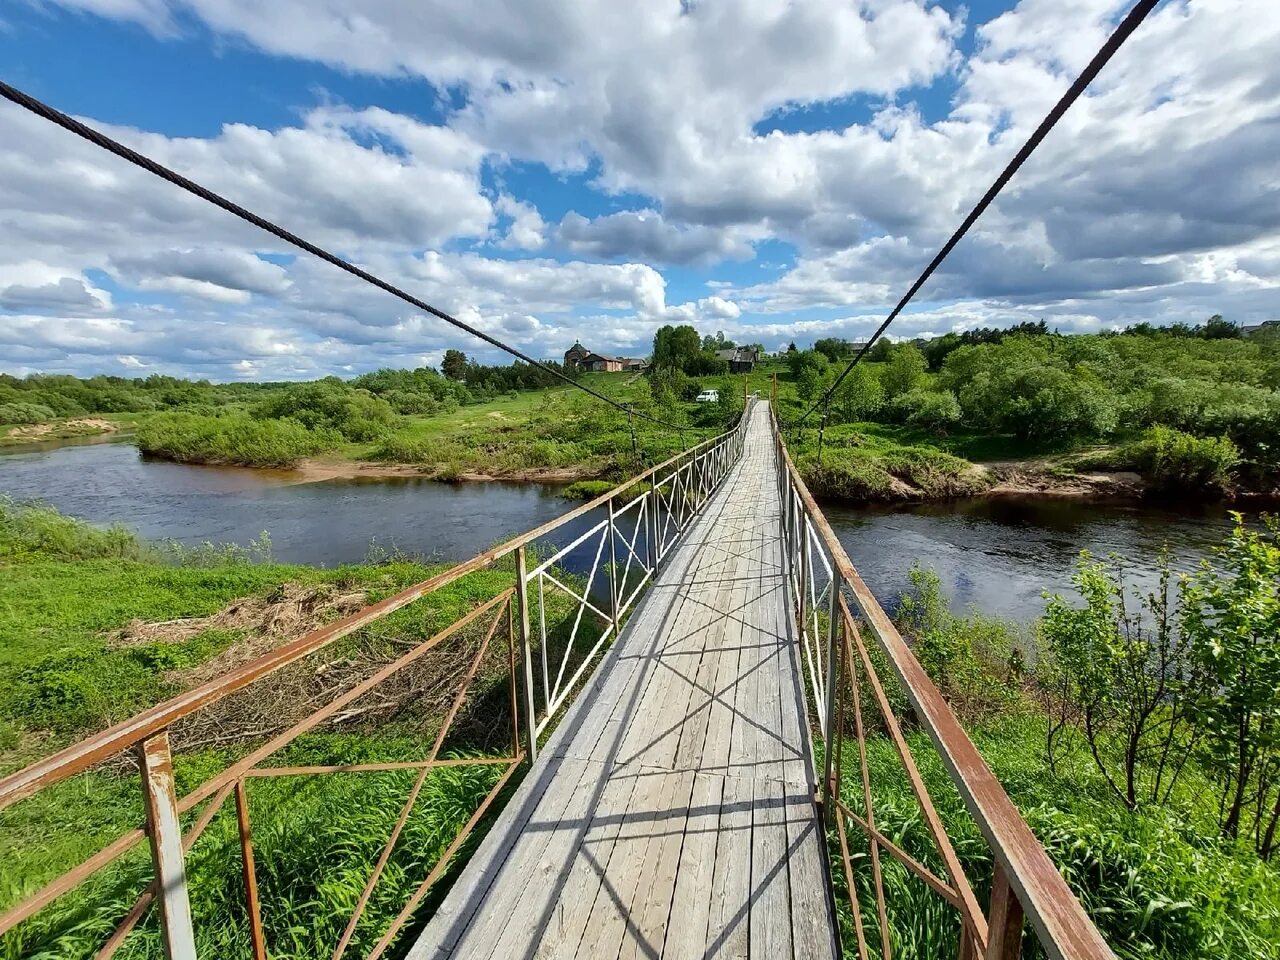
(671,815)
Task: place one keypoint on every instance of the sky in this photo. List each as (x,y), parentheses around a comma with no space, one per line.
(561,170)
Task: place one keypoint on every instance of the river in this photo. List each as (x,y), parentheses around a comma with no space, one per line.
(998,555)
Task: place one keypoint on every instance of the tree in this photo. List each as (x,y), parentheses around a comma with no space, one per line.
(1126,678)
(903,371)
(1216,328)
(675,348)
(1233,621)
(791,347)
(711,344)
(454,365)
(833,348)
(859,397)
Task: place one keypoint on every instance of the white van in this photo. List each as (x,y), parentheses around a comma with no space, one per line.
(708,396)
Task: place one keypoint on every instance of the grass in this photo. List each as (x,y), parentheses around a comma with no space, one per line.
(857,464)
(1154,882)
(66,589)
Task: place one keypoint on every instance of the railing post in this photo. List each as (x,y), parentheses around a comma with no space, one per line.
(805,572)
(614,603)
(1004,924)
(835,635)
(522,597)
(250,874)
(164,831)
(651,519)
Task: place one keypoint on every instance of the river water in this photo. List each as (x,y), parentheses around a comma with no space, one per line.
(998,555)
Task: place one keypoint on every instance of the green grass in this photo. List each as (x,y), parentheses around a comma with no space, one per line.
(1155,882)
(860,464)
(66,588)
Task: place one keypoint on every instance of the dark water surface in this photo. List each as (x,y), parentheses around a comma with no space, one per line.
(997,554)
(325,523)
(1002,554)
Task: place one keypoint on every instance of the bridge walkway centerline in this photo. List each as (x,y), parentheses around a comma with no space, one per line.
(671,814)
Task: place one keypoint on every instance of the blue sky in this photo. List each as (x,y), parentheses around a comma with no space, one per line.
(555,171)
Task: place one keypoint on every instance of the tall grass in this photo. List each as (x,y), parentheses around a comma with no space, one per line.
(1155,884)
(315,839)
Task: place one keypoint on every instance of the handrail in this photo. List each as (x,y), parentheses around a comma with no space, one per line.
(675,491)
(1023,868)
(77,757)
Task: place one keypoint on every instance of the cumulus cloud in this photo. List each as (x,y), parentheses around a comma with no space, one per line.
(1154,199)
(646,235)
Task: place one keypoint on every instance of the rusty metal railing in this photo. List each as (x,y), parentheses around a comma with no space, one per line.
(640,522)
(833,607)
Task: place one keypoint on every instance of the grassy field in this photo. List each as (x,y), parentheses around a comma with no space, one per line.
(96,625)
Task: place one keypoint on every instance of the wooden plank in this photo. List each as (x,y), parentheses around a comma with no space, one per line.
(770,881)
(519,903)
(547,787)
(610,920)
(691,900)
(568,921)
(728,917)
(646,932)
(811,915)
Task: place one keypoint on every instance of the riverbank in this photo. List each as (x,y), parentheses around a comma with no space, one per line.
(70,429)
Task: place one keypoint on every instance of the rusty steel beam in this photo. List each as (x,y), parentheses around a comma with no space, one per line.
(407,808)
(256,937)
(1061,925)
(164,831)
(372,767)
(407,911)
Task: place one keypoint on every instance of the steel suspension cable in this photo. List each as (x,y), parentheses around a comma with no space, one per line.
(41,109)
(1122,33)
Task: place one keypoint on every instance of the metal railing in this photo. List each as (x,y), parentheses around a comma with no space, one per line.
(640,522)
(833,608)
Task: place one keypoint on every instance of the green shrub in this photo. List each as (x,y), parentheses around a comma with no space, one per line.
(932,410)
(35,530)
(1176,461)
(329,403)
(22,413)
(232,439)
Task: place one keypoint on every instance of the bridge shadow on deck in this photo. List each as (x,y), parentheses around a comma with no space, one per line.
(671,813)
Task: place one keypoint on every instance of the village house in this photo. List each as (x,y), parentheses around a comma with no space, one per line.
(741,359)
(579,357)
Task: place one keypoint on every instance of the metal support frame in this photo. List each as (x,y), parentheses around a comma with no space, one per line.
(1026,880)
(164,833)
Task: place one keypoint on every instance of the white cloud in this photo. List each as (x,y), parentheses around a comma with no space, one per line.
(1156,197)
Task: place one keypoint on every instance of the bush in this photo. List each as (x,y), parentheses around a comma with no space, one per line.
(22,413)
(892,473)
(932,410)
(1178,461)
(357,414)
(975,660)
(28,530)
(232,439)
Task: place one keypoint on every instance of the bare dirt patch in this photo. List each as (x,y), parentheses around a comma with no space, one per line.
(1027,478)
(80,426)
(285,614)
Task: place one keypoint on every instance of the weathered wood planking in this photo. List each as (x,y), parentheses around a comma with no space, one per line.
(671,814)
